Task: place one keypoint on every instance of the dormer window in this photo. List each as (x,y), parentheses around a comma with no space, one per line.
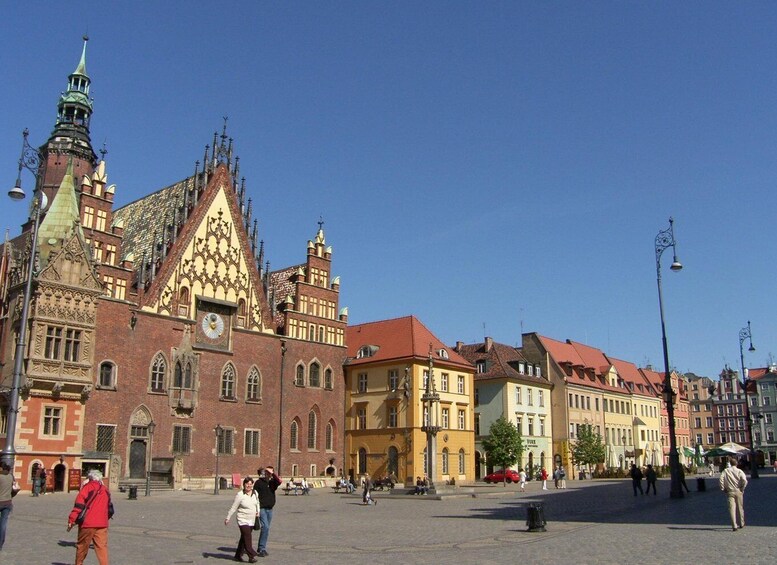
(481,366)
(367,351)
(442,354)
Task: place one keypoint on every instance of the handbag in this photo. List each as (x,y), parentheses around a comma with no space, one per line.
(257,524)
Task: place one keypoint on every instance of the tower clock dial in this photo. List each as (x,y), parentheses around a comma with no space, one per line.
(212,325)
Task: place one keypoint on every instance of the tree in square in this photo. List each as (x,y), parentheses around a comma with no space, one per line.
(589,448)
(503,446)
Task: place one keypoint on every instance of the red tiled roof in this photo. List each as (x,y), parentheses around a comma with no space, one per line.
(501,361)
(399,338)
(592,358)
(630,374)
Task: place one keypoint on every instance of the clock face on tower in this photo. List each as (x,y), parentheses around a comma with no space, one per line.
(212,325)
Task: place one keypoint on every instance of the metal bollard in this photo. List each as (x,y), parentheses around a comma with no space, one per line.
(133,493)
(535,517)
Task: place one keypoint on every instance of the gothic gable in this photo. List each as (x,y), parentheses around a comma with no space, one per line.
(212,264)
(72,266)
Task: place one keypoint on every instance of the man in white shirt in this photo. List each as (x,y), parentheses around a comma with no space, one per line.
(522,477)
(733,482)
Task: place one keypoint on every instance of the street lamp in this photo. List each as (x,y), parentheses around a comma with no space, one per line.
(430,401)
(30,159)
(151,426)
(623,442)
(745,334)
(665,240)
(218,430)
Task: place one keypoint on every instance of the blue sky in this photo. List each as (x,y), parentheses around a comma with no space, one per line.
(490,167)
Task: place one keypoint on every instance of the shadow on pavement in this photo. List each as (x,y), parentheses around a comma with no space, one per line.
(613,502)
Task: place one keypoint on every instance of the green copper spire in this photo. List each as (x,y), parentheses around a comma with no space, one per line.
(81,68)
(62,217)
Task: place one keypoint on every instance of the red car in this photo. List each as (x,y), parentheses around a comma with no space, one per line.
(499,476)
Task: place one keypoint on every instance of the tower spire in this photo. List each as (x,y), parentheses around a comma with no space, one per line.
(74,113)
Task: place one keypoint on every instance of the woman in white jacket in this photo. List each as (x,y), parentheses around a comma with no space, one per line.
(246,505)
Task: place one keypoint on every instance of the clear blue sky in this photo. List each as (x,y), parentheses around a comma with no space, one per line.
(490,167)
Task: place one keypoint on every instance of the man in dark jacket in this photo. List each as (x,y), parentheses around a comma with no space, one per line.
(636,479)
(265,487)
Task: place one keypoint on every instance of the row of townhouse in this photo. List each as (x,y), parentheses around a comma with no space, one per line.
(549,389)
(722,412)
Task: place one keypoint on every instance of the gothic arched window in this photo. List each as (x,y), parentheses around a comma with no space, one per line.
(228,382)
(299,378)
(254,385)
(293,435)
(312,431)
(314,378)
(159,373)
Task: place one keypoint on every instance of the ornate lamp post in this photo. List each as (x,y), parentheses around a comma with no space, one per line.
(623,442)
(30,159)
(746,335)
(218,431)
(431,401)
(664,240)
(151,426)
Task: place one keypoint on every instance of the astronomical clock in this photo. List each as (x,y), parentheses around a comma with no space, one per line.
(214,324)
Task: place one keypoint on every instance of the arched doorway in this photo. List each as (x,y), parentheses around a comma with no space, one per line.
(477,465)
(139,437)
(530,471)
(59,477)
(392,467)
(362,467)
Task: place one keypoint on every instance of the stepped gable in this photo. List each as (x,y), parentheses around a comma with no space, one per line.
(143,218)
(280,287)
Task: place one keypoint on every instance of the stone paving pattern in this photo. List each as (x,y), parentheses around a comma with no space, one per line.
(589,522)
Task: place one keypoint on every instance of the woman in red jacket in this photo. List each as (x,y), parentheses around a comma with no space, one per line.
(96,498)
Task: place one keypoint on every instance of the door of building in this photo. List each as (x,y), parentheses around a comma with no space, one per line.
(137,462)
(59,477)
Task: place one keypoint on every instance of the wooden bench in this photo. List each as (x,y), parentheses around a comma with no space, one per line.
(338,488)
(286,490)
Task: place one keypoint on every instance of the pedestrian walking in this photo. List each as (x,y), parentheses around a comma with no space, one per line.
(733,482)
(8,489)
(562,477)
(91,511)
(43,477)
(650,476)
(636,479)
(366,496)
(544,477)
(265,487)
(247,507)
(36,479)
(522,480)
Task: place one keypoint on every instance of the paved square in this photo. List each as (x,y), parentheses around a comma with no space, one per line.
(590,522)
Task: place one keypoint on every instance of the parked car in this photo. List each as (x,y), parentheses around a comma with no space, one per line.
(499,476)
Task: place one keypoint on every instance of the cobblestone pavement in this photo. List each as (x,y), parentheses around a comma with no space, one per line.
(590,522)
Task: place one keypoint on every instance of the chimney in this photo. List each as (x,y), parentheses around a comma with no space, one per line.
(489,343)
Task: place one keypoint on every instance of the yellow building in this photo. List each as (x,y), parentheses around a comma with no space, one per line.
(385,377)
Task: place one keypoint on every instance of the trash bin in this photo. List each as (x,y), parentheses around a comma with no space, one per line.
(535,517)
(133,493)
(701,484)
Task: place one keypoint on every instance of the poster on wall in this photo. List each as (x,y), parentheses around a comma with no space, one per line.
(73,479)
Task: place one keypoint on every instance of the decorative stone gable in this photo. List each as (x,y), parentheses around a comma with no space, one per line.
(214,265)
(63,316)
